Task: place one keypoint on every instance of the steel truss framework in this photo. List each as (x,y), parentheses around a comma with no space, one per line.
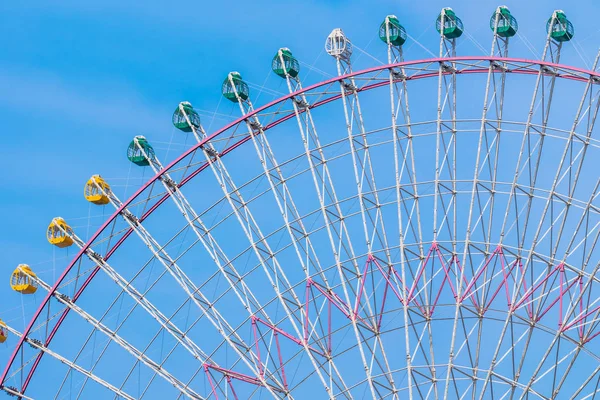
(499,269)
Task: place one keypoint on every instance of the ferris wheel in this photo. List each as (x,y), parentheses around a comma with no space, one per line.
(420,229)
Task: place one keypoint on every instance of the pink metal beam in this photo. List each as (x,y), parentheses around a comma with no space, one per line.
(363,278)
(333,298)
(504,283)
(591,337)
(260,366)
(393,287)
(228,373)
(453,260)
(388,285)
(434,251)
(284,334)
(81,290)
(534,288)
(257,338)
(481,270)
(281,361)
(414,285)
(565,72)
(212,384)
(580,319)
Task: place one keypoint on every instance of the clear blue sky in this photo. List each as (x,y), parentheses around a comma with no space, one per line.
(79,78)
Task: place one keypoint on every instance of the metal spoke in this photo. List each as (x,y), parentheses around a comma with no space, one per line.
(469,269)
(289,212)
(208,308)
(36,344)
(156,367)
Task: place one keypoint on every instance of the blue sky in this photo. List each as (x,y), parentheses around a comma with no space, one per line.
(79,79)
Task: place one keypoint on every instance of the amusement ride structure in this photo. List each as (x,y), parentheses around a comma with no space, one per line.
(414,230)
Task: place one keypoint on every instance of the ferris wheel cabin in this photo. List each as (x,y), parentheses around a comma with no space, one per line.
(285,64)
(3,332)
(338,45)
(449,24)
(95,189)
(185,118)
(559,27)
(140,152)
(59,233)
(234,86)
(391,32)
(22,280)
(503,23)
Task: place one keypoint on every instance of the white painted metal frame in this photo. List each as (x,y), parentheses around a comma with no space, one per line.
(379,375)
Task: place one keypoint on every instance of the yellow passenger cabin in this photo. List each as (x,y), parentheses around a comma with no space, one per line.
(3,332)
(95,190)
(22,280)
(59,233)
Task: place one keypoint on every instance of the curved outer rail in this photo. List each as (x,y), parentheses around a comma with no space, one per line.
(478,65)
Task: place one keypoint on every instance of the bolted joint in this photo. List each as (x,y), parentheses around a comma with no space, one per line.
(95,256)
(447,67)
(210,151)
(170,183)
(499,67)
(11,390)
(398,75)
(63,297)
(349,87)
(255,124)
(130,217)
(549,71)
(301,103)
